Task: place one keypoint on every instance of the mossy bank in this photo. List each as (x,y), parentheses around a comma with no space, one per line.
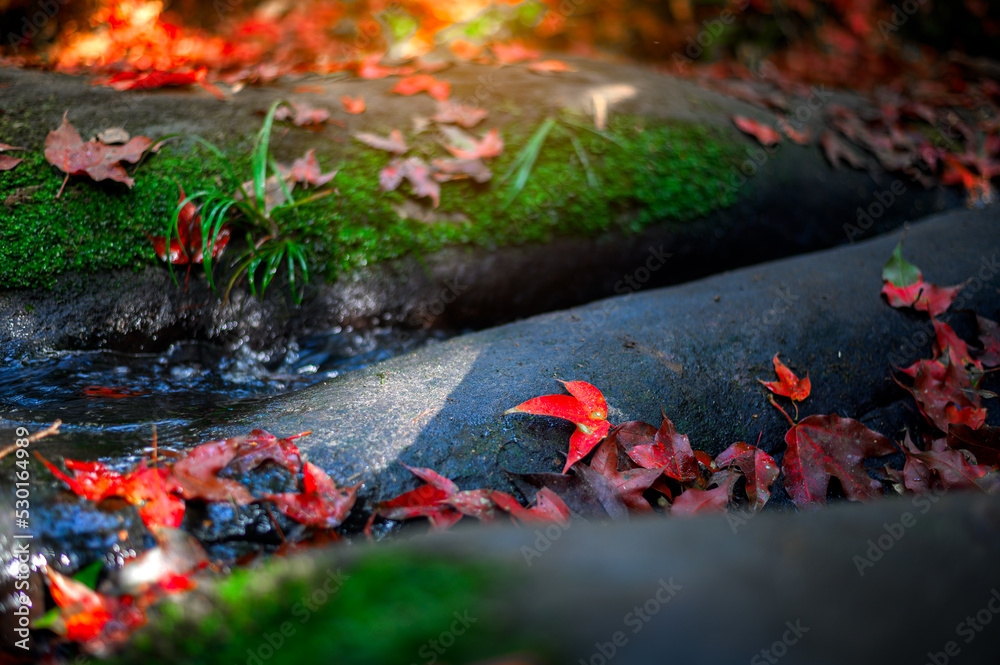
(583,183)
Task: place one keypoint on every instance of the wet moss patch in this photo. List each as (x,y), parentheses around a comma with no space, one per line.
(386,608)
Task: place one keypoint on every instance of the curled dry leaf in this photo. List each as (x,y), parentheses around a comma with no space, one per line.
(668,450)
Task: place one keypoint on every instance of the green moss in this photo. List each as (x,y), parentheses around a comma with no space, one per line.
(648,173)
(385,608)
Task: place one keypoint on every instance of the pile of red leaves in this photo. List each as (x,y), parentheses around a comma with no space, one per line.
(637,466)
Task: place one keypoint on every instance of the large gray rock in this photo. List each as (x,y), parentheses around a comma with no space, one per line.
(695,350)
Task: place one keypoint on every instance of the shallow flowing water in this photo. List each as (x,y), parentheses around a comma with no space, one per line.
(109,401)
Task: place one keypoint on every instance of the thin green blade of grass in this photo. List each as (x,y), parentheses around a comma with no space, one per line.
(259,156)
(584,160)
(525,161)
(211,226)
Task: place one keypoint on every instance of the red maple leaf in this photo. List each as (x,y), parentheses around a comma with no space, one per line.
(411,85)
(428,501)
(260,446)
(630,483)
(91,480)
(86,616)
(904,286)
(825,447)
(321,503)
(149,80)
(948,345)
(197,473)
(474,503)
(944,394)
(149,489)
(369,68)
(767,136)
(668,450)
(584,406)
(983,442)
(788,385)
(695,501)
(188,245)
(548,507)
(112,392)
(759,469)
(797,136)
(939,468)
(65,150)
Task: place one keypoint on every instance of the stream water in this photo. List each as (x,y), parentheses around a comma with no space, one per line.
(109,401)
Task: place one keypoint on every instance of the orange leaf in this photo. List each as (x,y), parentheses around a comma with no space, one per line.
(353,105)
